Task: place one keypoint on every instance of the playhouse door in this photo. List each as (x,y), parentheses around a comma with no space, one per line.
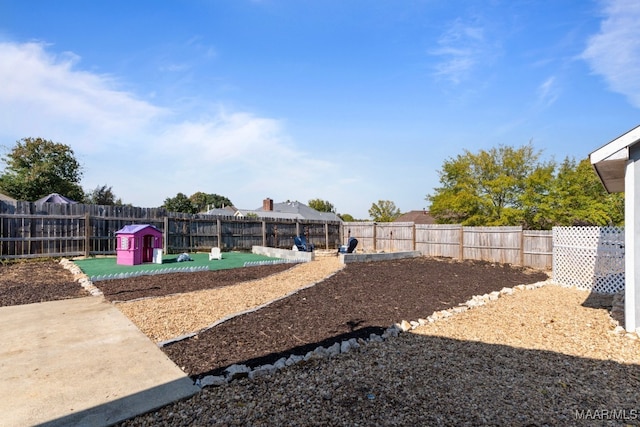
(147,249)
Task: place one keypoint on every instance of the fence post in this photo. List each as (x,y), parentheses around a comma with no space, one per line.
(413,236)
(461,242)
(375,236)
(87,235)
(166,234)
(264,233)
(326,235)
(219,236)
(521,247)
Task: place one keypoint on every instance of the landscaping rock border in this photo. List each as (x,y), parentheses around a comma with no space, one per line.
(80,277)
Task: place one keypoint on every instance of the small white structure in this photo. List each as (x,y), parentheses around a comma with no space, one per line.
(215,254)
(618,166)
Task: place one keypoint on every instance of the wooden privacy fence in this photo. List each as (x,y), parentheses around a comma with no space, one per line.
(53,230)
(28,230)
(511,245)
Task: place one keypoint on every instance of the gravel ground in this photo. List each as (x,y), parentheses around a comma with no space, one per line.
(169,317)
(539,357)
(548,356)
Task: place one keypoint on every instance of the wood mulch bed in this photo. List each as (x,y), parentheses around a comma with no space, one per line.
(30,282)
(361,299)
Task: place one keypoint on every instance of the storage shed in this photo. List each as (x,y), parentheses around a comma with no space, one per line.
(137,244)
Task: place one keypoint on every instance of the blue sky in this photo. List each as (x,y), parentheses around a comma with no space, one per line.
(347,101)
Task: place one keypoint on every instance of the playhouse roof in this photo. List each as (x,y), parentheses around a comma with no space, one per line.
(136,228)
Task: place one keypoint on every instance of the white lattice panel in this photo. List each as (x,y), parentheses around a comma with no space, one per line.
(589,258)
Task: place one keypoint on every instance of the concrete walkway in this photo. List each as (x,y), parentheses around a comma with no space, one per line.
(80,362)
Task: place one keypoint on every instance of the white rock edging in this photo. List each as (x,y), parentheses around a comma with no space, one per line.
(80,277)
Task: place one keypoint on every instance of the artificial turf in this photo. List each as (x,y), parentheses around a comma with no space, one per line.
(107,265)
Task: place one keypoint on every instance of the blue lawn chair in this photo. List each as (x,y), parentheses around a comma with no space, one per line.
(301,244)
(349,247)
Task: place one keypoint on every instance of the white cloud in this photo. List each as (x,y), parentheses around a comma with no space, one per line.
(227,136)
(45,92)
(461,48)
(614,52)
(547,92)
(147,152)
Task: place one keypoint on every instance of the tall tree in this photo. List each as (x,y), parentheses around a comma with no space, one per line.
(36,167)
(579,198)
(102,195)
(321,205)
(180,203)
(203,201)
(484,188)
(537,203)
(384,211)
(509,186)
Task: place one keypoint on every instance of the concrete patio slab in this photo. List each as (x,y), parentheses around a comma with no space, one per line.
(80,362)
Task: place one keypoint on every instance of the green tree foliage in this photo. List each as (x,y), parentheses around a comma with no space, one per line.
(36,167)
(197,202)
(484,188)
(204,201)
(321,205)
(384,211)
(510,186)
(346,217)
(580,198)
(179,203)
(537,199)
(102,195)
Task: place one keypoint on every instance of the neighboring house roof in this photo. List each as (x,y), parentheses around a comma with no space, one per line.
(56,198)
(610,160)
(285,210)
(227,210)
(136,228)
(267,214)
(300,210)
(6,198)
(417,217)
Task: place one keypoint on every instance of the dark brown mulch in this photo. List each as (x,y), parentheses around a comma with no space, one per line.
(36,281)
(30,282)
(166,284)
(361,299)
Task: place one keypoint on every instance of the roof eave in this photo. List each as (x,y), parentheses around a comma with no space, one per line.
(609,161)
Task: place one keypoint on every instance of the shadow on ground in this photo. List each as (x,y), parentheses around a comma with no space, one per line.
(427,380)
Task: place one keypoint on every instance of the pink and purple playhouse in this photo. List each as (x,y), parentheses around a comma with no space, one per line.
(137,244)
